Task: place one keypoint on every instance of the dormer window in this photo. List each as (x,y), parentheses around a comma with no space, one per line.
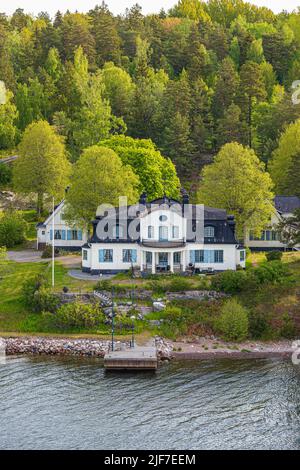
(209,232)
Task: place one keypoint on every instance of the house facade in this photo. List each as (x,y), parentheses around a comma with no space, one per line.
(269,240)
(65,237)
(161,236)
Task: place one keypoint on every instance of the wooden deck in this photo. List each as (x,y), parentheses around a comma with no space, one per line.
(137,358)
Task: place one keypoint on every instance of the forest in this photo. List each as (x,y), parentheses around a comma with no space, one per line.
(202,75)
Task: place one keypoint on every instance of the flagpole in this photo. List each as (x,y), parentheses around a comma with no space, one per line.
(53,244)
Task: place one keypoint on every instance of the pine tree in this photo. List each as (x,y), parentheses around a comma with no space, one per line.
(107,40)
(177,141)
(231,128)
(252,89)
(226,87)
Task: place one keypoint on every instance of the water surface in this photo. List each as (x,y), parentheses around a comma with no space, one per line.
(54,403)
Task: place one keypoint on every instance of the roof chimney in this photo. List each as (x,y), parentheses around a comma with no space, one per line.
(143,199)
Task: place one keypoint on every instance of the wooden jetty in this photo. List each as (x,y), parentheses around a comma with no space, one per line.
(137,358)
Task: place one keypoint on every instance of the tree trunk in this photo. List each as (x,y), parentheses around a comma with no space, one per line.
(250,121)
(40,204)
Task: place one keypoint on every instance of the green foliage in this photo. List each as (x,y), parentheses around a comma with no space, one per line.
(104,284)
(5,174)
(233,322)
(237,181)
(42,167)
(29,289)
(230,282)
(75,315)
(8,116)
(156,173)
(98,177)
(274,255)
(271,272)
(45,301)
(259,327)
(12,229)
(178,284)
(286,157)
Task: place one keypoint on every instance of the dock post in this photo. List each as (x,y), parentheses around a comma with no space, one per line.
(112,320)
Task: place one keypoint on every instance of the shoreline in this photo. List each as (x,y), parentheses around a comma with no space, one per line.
(203,349)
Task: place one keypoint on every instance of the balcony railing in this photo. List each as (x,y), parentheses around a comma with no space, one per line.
(152,243)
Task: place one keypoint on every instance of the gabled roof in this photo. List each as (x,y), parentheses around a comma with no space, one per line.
(287,204)
(56,209)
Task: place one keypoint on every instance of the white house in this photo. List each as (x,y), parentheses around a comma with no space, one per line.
(65,237)
(269,240)
(161,236)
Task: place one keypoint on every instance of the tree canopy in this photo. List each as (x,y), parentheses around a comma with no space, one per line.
(237,181)
(42,167)
(98,177)
(157,175)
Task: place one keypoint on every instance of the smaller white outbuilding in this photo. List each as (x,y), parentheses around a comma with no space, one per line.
(65,237)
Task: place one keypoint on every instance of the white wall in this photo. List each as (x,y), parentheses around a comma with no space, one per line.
(230,256)
(173,219)
(93,257)
(59,224)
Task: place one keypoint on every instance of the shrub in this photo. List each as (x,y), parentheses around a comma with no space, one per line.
(104,284)
(47,253)
(233,322)
(272,271)
(230,282)
(75,315)
(5,174)
(259,327)
(178,284)
(288,329)
(158,286)
(12,229)
(30,286)
(45,300)
(274,255)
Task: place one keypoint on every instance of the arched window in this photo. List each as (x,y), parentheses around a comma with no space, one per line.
(209,232)
(150,231)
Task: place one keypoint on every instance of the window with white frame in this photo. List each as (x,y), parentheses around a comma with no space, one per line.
(209,232)
(84,255)
(150,231)
(105,256)
(242,255)
(129,256)
(163,233)
(175,231)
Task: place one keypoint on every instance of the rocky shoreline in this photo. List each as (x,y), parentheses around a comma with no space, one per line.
(204,349)
(71,347)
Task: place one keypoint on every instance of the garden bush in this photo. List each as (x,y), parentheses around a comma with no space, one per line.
(12,229)
(274,255)
(233,322)
(272,272)
(103,284)
(45,300)
(259,327)
(178,284)
(29,288)
(47,253)
(230,282)
(5,174)
(76,315)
